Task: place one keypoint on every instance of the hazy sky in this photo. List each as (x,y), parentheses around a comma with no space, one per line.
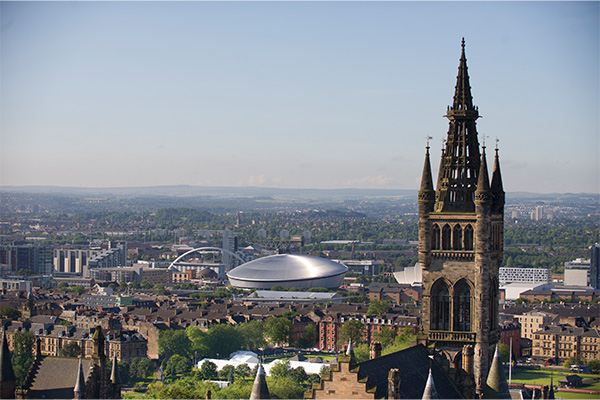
(293,94)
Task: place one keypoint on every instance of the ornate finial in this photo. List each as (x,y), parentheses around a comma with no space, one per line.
(428,139)
(497,141)
(483,140)
(463,43)
(443,144)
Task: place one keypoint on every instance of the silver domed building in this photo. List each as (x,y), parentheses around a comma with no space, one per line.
(289,271)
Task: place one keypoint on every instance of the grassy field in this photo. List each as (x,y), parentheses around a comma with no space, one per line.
(543,377)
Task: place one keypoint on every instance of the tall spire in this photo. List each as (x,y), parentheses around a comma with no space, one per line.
(462,92)
(460,159)
(79,389)
(260,390)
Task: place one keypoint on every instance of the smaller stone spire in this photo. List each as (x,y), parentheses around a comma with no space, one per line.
(483,192)
(260,390)
(426,192)
(79,389)
(98,341)
(430,391)
(496,381)
(496,187)
(115,377)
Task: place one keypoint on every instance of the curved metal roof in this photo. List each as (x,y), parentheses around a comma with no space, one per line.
(287,267)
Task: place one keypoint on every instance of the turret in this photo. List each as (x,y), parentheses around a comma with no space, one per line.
(496,188)
(350,353)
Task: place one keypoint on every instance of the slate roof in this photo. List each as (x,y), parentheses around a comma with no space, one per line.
(413,364)
(56,377)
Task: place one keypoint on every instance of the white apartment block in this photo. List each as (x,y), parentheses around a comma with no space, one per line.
(524,275)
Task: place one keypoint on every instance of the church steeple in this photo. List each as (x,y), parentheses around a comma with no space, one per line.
(463,100)
(460,159)
(460,245)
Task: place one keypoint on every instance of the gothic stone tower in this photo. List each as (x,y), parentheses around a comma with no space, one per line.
(460,247)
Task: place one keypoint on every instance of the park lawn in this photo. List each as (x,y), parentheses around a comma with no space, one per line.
(542,377)
(575,396)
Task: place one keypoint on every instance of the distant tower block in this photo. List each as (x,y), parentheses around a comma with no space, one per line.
(461,245)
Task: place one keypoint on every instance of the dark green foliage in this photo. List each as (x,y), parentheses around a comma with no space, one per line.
(22,355)
(227,373)
(352,329)
(378,307)
(71,349)
(177,366)
(278,329)
(9,312)
(174,342)
(141,368)
(207,371)
(124,371)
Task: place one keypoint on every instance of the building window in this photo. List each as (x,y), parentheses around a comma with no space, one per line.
(435,237)
(440,310)
(468,238)
(446,237)
(462,306)
(457,237)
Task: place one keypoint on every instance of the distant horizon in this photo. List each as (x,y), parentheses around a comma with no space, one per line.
(323,95)
(263,188)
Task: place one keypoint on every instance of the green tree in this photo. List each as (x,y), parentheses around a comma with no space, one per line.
(243,371)
(9,312)
(22,355)
(141,368)
(378,307)
(281,369)
(385,336)
(177,366)
(207,371)
(222,340)
(71,349)
(351,330)
(227,373)
(309,337)
(124,371)
(279,330)
(594,365)
(504,350)
(174,342)
(253,334)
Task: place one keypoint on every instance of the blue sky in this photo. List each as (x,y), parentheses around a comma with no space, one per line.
(293,94)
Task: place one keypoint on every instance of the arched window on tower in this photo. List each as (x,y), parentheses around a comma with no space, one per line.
(435,237)
(446,237)
(457,237)
(468,238)
(462,306)
(440,306)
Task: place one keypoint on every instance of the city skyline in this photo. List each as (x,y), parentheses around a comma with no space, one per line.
(293,94)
